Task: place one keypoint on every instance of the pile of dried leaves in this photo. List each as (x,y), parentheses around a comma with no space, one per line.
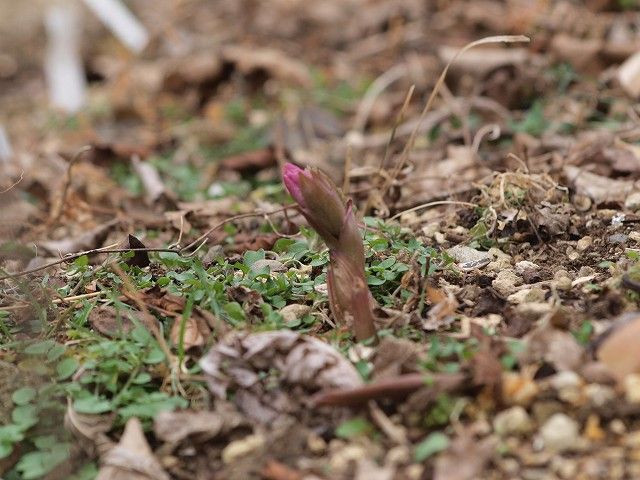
(163,306)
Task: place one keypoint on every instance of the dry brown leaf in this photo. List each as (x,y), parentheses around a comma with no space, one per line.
(111,322)
(582,54)
(87,241)
(443,308)
(297,365)
(193,336)
(173,427)
(618,349)
(600,189)
(465,459)
(557,347)
(275,470)
(132,458)
(274,62)
(395,356)
(90,430)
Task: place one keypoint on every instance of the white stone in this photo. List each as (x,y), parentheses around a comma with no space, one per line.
(632,202)
(560,433)
(524,266)
(513,421)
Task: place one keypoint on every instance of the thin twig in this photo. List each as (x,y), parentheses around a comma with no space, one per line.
(231,219)
(56,214)
(55,301)
(433,204)
(436,88)
(74,256)
(14,183)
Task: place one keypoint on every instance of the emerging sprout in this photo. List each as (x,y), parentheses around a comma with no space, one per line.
(324,207)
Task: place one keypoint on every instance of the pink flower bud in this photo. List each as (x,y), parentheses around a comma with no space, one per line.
(291,177)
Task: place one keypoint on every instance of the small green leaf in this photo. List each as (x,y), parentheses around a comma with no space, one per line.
(66,368)
(23,395)
(39,348)
(92,405)
(82,261)
(155,355)
(142,378)
(434,443)
(5,449)
(11,433)
(353,428)
(56,352)
(234,310)
(25,415)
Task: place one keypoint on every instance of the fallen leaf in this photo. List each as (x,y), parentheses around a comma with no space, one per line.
(556,347)
(251,161)
(131,458)
(618,346)
(298,365)
(90,430)
(174,427)
(600,189)
(139,259)
(274,470)
(465,459)
(111,322)
(87,241)
(192,336)
(274,62)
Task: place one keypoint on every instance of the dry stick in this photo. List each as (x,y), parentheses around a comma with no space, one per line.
(130,292)
(56,300)
(67,183)
(433,204)
(491,131)
(394,387)
(125,250)
(74,256)
(387,151)
(14,183)
(378,86)
(410,143)
(231,219)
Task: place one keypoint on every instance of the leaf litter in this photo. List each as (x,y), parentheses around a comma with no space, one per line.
(160,293)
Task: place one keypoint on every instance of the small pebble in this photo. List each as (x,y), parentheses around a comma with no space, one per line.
(618,238)
(525,265)
(632,202)
(599,395)
(584,243)
(632,388)
(560,433)
(512,421)
(506,282)
(240,448)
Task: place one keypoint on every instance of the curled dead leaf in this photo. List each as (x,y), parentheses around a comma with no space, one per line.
(273,373)
(132,458)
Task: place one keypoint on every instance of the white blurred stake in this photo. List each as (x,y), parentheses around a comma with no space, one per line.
(63,64)
(115,15)
(5,146)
